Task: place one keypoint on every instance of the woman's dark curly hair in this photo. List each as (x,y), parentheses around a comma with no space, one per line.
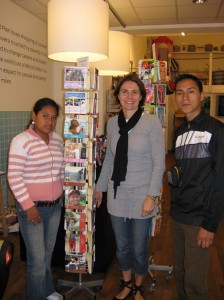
(133,78)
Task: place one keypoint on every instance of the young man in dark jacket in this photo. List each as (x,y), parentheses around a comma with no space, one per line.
(197,200)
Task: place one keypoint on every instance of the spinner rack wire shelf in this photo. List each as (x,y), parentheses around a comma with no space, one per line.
(80,131)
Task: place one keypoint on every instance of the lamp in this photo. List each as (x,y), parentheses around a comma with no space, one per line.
(78,29)
(118,63)
(199,1)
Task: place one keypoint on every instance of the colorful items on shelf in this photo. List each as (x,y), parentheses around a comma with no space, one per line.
(153,74)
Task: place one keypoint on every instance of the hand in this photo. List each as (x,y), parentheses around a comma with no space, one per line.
(98,198)
(33,215)
(148,206)
(204,238)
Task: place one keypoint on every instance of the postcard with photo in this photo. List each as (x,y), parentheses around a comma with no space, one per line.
(76,126)
(75,263)
(160,110)
(150,94)
(161,114)
(156,225)
(101,150)
(162,70)
(75,175)
(162,119)
(161,94)
(74,221)
(150,109)
(76,78)
(75,243)
(75,197)
(76,102)
(147,70)
(75,152)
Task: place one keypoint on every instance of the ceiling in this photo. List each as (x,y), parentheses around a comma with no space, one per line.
(153,17)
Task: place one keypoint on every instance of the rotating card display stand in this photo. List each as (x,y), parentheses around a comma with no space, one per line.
(80,132)
(153,74)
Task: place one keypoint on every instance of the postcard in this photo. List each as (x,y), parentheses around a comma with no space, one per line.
(75,175)
(75,263)
(75,152)
(76,126)
(74,221)
(75,197)
(76,78)
(75,243)
(76,102)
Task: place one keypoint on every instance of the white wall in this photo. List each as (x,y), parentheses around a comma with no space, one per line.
(138,50)
(21,38)
(25,71)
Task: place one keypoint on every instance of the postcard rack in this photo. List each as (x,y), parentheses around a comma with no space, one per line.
(153,74)
(80,132)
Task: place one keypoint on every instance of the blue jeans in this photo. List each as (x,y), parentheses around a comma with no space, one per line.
(40,240)
(132,243)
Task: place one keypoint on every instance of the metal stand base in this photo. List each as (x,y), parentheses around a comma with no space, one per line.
(77,286)
(153,266)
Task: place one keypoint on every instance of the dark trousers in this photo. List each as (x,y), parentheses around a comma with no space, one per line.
(190,262)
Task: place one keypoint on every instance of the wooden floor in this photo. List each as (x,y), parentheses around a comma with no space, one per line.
(161,246)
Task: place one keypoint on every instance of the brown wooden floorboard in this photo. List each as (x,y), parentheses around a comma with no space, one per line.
(162,248)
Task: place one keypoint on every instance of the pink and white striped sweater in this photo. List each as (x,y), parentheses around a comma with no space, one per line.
(35,169)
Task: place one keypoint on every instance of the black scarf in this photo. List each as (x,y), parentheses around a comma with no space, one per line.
(121,156)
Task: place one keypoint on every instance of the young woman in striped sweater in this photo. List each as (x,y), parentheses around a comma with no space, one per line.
(35,175)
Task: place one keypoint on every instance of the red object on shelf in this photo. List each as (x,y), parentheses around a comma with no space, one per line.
(163,47)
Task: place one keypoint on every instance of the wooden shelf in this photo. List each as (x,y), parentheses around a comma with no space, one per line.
(206,75)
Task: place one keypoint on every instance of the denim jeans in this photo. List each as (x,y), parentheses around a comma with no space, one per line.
(39,240)
(132,243)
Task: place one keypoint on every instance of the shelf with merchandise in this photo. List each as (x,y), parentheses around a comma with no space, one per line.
(202,65)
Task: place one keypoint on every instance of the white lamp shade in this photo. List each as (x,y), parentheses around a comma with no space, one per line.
(118,63)
(78,29)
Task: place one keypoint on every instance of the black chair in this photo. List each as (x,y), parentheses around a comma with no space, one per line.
(6,256)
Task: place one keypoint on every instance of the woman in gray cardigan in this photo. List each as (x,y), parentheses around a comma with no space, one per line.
(132,176)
